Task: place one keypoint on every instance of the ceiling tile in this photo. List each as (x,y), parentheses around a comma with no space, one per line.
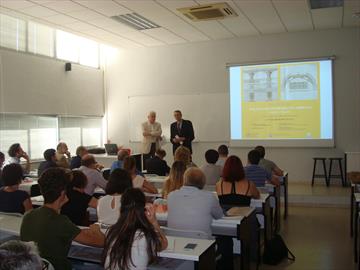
(262,14)
(39,11)
(80,26)
(294,14)
(108,8)
(165,36)
(61,19)
(350,7)
(326,18)
(211,29)
(143,39)
(85,15)
(63,6)
(16,4)
(239,25)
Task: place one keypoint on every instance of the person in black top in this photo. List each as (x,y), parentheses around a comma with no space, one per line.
(50,161)
(181,132)
(13,200)
(2,159)
(76,208)
(76,161)
(157,165)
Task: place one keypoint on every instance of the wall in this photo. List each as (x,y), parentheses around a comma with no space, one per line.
(39,85)
(200,68)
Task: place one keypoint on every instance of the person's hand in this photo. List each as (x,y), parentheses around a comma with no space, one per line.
(99,166)
(175,140)
(25,156)
(145,133)
(95,228)
(150,213)
(68,153)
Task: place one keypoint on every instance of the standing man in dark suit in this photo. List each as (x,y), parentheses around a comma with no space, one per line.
(182,132)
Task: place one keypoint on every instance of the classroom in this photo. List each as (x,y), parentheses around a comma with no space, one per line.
(179,134)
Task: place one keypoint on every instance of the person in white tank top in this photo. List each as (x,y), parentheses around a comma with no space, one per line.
(108,209)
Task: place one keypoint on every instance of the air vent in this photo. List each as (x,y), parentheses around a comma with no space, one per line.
(208,12)
(316,4)
(135,21)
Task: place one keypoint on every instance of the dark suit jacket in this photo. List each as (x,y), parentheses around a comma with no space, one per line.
(157,166)
(186,131)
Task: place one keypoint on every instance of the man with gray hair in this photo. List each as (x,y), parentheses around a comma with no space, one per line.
(17,255)
(190,207)
(151,131)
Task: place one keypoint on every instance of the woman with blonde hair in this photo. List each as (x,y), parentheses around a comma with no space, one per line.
(183,154)
(176,178)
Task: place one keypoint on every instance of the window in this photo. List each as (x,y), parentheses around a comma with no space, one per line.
(77,49)
(89,53)
(40,39)
(12,33)
(75,131)
(38,133)
(67,46)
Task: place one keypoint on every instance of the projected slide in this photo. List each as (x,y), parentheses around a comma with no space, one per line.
(282,101)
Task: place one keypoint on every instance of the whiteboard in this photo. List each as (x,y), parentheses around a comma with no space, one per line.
(209,114)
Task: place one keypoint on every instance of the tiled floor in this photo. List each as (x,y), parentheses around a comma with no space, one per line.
(319,238)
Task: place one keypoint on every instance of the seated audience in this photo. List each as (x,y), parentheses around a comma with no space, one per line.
(94,177)
(234,189)
(212,172)
(138,180)
(63,155)
(76,161)
(223,151)
(108,209)
(257,174)
(183,154)
(176,178)
(267,164)
(12,199)
(17,255)
(190,207)
(50,161)
(134,241)
(76,207)
(119,164)
(51,231)
(157,164)
(15,154)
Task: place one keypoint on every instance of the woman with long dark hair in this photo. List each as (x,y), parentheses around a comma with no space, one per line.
(135,239)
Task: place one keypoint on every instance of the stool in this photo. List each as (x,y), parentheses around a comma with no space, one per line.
(319,175)
(341,175)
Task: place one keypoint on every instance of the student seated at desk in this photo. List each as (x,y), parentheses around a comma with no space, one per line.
(175,180)
(15,154)
(13,200)
(50,161)
(258,174)
(63,155)
(210,169)
(183,154)
(52,232)
(267,164)
(157,164)
(223,151)
(108,209)
(76,161)
(119,164)
(135,239)
(76,208)
(17,255)
(138,180)
(95,178)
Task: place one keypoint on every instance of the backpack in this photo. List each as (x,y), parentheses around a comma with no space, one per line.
(276,250)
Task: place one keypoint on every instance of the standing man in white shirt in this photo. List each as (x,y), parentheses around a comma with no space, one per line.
(151,131)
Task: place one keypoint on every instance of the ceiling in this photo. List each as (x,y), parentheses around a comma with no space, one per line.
(91,18)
